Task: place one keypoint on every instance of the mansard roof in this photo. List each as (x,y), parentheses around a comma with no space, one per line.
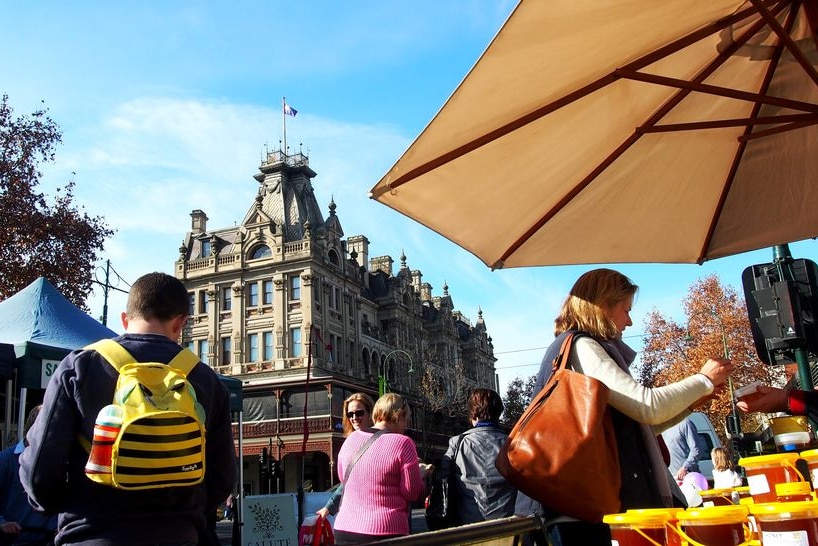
(285,205)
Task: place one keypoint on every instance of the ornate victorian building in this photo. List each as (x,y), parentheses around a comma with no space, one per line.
(305,317)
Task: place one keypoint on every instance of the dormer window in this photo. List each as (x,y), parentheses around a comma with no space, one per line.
(261,251)
(206,248)
(333,257)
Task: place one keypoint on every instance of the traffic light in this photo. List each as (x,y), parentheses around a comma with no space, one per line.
(274,467)
(783,313)
(264,462)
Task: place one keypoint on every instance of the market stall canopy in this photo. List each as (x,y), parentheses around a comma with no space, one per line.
(43,325)
(610,131)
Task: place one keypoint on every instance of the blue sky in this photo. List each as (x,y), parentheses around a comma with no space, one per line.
(167,106)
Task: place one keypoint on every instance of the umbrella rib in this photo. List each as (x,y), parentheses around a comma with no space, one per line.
(567,198)
(569,98)
(811,12)
(495,134)
(742,144)
(717,90)
(659,114)
(733,122)
(777,130)
(785,37)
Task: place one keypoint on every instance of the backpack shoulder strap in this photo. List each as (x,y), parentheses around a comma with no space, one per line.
(184,361)
(112,351)
(116,355)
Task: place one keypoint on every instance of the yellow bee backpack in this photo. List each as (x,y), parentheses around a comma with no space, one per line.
(152,435)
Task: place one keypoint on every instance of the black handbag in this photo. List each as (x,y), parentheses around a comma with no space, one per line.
(441,505)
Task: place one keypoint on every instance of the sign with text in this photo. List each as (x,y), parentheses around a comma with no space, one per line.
(270,520)
(46,371)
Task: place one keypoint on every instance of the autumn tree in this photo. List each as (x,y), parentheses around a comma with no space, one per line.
(39,236)
(716,321)
(519,393)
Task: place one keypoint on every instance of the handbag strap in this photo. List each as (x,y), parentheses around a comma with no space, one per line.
(361,451)
(563,359)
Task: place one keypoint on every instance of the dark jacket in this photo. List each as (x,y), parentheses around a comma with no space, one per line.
(482,492)
(52,467)
(638,488)
(14,504)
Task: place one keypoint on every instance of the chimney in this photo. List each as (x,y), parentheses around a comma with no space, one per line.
(198,221)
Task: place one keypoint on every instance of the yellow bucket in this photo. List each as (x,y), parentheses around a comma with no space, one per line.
(765,471)
(714,526)
(638,527)
(787,522)
(717,497)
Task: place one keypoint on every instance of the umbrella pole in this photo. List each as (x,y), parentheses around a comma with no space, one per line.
(782,258)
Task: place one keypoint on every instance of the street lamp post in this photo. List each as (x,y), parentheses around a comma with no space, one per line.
(383,369)
(279,442)
(735,421)
(331,443)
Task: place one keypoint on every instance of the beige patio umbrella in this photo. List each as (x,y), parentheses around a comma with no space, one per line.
(610,131)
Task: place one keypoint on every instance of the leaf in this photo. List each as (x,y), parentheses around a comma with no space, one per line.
(41,236)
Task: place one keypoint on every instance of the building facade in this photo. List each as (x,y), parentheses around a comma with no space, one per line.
(304,317)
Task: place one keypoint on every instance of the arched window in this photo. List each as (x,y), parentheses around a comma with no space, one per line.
(261,251)
(333,257)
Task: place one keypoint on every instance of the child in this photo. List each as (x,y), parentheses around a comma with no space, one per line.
(723,474)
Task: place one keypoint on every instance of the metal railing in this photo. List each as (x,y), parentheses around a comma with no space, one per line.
(497,532)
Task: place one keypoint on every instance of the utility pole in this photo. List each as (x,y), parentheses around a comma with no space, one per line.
(106,288)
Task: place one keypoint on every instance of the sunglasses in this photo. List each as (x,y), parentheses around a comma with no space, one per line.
(357,413)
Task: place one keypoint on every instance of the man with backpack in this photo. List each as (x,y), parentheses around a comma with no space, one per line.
(76,439)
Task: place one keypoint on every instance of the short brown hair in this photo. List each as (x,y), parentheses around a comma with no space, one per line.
(157,296)
(485,405)
(584,308)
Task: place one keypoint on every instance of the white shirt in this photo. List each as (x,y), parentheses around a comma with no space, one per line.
(724,479)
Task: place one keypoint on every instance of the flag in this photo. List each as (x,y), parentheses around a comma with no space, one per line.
(290,111)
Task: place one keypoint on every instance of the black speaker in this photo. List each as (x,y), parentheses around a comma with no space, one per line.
(782,307)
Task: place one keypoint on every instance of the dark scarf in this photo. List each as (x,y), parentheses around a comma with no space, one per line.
(624,356)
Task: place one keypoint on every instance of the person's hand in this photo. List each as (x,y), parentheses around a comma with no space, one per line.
(717,370)
(704,401)
(765,399)
(323,512)
(680,474)
(11,528)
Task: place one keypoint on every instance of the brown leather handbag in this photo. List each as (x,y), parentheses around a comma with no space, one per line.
(562,451)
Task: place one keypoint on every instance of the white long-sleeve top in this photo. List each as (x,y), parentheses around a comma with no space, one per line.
(660,407)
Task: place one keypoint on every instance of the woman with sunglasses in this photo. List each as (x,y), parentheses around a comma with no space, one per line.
(357,415)
(381,475)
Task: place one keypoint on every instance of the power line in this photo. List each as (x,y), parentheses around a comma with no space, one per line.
(546,347)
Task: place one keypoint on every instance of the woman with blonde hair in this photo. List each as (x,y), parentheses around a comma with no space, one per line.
(599,306)
(357,415)
(380,471)
(724,476)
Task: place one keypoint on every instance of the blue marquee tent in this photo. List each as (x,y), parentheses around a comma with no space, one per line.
(42,325)
(39,326)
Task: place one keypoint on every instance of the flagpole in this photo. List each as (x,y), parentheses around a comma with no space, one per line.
(284,123)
